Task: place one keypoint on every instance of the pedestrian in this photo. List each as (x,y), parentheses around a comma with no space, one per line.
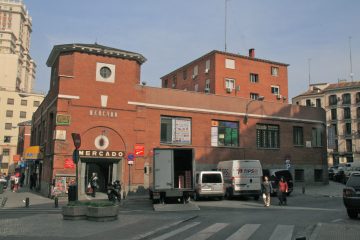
(266,191)
(283,190)
(94,183)
(22,179)
(33,178)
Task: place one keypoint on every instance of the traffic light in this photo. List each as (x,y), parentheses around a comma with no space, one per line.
(77,140)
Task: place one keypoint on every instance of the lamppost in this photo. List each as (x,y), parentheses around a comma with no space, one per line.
(260,98)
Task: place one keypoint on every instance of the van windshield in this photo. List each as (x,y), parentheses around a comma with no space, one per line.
(211,178)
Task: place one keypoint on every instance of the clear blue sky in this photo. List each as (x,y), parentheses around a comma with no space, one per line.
(171,33)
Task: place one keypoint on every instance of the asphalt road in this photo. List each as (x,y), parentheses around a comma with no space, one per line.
(228,219)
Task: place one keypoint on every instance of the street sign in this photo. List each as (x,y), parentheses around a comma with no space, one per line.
(130,158)
(139,150)
(77,140)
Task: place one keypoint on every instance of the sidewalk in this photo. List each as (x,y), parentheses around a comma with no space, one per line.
(333,189)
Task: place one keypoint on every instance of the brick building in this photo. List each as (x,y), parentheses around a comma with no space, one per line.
(95,91)
(229,74)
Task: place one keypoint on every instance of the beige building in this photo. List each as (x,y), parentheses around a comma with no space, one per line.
(17,71)
(17,75)
(341,102)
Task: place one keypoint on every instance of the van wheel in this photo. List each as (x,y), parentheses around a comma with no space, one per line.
(352,213)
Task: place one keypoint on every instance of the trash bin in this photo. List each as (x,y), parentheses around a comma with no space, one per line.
(72,193)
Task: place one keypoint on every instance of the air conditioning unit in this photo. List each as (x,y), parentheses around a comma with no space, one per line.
(207,90)
(228,90)
(206,70)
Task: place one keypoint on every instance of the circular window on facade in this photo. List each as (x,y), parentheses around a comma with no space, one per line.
(105,72)
(101,142)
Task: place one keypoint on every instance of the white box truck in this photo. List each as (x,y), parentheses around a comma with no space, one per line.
(172,174)
(241,177)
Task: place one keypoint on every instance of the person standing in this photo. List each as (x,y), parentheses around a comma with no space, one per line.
(94,183)
(283,190)
(266,190)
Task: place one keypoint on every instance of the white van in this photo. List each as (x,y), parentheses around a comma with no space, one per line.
(209,184)
(241,177)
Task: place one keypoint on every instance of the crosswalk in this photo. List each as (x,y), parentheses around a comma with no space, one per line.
(192,231)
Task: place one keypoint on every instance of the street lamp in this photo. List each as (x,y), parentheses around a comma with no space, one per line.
(260,98)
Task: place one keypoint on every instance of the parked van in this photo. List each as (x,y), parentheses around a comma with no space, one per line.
(241,177)
(209,184)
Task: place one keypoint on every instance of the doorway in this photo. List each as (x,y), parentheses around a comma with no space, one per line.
(104,171)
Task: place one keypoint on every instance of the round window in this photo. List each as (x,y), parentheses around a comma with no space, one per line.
(105,72)
(101,142)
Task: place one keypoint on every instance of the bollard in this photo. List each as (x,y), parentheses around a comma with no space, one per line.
(56,201)
(27,202)
(303,189)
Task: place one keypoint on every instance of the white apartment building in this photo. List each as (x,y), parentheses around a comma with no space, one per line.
(18,102)
(17,71)
(341,102)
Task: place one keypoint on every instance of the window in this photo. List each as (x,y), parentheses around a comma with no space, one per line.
(347,129)
(105,72)
(298,136)
(333,114)
(230,63)
(332,100)
(8,126)
(299,175)
(275,90)
(7,139)
(9,113)
(195,71)
(357,97)
(274,71)
(347,113)
(174,81)
(267,136)
(224,134)
(346,98)
(175,130)
(166,83)
(348,145)
(317,136)
(207,85)
(318,175)
(36,103)
(185,74)
(230,83)
(308,102)
(196,87)
(318,102)
(334,127)
(358,112)
(23,102)
(254,78)
(6,152)
(22,114)
(10,101)
(349,159)
(254,96)
(207,66)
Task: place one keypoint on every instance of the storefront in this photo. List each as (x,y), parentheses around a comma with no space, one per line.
(33,160)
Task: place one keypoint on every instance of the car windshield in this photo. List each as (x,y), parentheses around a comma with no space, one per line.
(211,178)
(354,180)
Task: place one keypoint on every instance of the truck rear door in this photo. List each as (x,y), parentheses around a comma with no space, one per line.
(163,169)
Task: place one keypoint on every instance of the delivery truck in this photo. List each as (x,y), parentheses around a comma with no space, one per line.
(172,174)
(241,177)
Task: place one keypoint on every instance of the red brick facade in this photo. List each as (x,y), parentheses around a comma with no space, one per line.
(115,116)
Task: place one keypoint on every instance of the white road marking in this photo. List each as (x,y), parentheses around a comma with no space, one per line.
(208,232)
(283,232)
(244,232)
(177,231)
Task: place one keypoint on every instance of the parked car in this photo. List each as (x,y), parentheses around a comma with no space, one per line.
(339,175)
(209,184)
(331,171)
(275,176)
(351,195)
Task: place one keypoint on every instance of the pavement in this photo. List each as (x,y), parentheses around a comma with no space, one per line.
(322,231)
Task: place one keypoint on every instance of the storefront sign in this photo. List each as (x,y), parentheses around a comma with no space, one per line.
(62,119)
(101,154)
(69,163)
(139,150)
(103,113)
(33,153)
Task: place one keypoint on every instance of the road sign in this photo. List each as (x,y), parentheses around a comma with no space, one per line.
(130,158)
(139,150)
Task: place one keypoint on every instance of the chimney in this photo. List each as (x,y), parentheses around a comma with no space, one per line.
(252,52)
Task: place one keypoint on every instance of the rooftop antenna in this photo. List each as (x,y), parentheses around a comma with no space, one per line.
(225,23)
(309,65)
(351,71)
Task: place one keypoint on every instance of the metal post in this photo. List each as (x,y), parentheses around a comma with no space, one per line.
(27,202)
(77,183)
(56,201)
(129,178)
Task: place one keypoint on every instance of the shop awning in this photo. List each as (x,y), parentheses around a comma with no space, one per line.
(33,153)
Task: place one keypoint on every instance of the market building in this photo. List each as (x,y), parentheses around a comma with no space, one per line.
(96,91)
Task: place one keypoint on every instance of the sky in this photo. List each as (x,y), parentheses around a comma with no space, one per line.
(313,36)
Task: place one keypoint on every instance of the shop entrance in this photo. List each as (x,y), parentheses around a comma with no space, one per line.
(104,172)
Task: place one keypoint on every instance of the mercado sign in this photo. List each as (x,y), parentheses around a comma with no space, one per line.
(101,154)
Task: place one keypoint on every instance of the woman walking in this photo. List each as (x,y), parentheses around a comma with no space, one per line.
(94,184)
(283,189)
